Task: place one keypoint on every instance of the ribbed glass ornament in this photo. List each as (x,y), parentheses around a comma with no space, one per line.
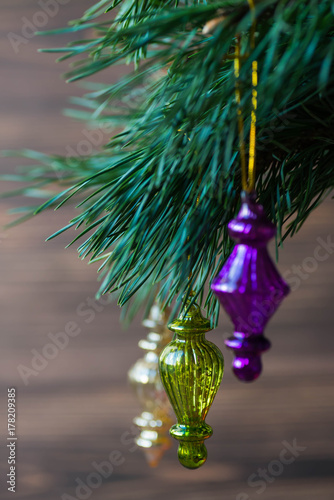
(191,370)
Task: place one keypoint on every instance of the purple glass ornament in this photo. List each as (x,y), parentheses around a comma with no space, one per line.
(249,287)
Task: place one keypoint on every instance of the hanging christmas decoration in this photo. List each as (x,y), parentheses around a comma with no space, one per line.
(191,370)
(156,417)
(249,286)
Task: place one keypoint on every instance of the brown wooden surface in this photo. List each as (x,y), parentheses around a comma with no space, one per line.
(74,412)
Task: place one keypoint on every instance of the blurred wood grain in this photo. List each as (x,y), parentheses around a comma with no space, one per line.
(75,411)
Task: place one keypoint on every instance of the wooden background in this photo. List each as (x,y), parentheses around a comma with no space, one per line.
(75,411)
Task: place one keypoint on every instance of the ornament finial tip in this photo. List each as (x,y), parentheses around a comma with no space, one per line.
(192,454)
(247,369)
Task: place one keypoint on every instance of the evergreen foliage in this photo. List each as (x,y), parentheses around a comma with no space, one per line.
(155,202)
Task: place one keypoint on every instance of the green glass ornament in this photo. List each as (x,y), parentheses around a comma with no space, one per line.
(191,369)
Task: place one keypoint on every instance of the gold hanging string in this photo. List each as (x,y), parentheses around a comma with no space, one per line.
(247,175)
(237,64)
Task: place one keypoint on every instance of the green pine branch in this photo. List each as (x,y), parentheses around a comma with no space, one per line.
(155,202)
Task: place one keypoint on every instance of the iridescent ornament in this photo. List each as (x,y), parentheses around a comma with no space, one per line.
(144,377)
(249,287)
(191,370)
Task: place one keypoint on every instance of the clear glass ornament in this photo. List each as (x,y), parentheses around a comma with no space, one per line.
(155,419)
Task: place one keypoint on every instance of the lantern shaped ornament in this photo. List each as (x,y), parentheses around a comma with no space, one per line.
(249,287)
(144,377)
(191,370)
